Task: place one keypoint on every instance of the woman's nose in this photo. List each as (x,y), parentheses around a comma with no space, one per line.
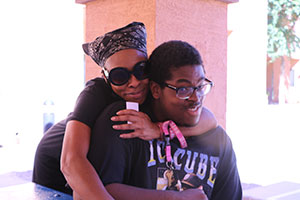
(133,81)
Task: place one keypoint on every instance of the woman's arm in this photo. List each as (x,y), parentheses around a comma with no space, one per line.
(147,130)
(79,173)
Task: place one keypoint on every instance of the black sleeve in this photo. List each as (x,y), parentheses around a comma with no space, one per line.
(228,185)
(92,101)
(110,155)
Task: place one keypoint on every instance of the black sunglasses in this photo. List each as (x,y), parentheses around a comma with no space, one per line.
(120,75)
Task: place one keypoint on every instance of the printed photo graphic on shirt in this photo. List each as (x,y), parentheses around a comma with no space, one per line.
(191,168)
(167,180)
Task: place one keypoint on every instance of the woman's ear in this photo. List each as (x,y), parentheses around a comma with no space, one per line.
(155,90)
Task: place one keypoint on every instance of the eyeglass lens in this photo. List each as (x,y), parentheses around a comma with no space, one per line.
(186,92)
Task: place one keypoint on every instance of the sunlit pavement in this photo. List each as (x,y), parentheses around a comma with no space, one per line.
(17,155)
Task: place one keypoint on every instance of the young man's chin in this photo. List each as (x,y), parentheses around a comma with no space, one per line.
(190,123)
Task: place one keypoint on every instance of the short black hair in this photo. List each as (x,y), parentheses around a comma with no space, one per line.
(168,55)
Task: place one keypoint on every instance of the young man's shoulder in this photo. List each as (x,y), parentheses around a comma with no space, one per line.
(114,107)
(216,137)
(217,131)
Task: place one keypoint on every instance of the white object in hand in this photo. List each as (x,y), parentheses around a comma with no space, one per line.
(133,106)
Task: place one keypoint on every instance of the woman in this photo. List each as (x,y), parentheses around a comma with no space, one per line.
(121,54)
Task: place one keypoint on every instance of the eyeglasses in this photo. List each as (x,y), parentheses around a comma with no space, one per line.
(120,75)
(187,92)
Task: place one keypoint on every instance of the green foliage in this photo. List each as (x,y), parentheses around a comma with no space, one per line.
(282,16)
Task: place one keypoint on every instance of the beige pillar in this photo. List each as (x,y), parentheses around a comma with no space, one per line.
(202,23)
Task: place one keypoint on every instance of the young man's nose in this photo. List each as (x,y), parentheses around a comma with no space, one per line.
(196,96)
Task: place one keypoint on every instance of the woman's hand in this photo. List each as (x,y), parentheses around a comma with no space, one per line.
(140,123)
(195,193)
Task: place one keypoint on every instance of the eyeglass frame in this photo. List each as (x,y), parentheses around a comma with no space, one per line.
(208,82)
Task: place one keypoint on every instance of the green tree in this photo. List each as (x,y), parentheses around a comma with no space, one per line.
(282,17)
(282,39)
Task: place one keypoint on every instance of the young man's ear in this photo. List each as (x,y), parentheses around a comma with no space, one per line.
(155,90)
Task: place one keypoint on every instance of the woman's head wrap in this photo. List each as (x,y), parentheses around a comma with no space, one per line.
(132,36)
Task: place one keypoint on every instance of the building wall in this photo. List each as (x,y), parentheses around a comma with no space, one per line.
(278,83)
(202,23)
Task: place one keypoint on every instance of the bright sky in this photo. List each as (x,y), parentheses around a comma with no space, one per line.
(41,58)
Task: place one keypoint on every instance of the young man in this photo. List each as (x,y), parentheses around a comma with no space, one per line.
(178,86)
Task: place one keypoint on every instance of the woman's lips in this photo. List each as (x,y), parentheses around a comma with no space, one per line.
(135,95)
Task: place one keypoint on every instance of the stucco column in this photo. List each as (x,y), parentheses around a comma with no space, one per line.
(202,23)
